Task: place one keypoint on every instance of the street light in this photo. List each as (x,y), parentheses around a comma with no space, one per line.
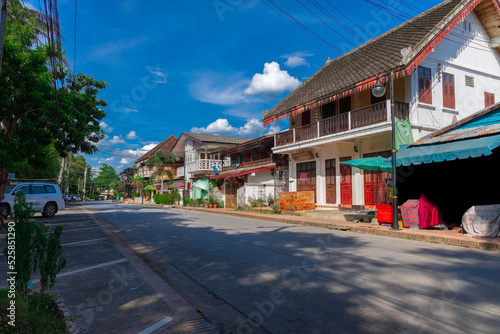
(178,158)
(378,91)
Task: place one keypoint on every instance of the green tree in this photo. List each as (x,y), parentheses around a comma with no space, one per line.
(30,116)
(107,178)
(33,168)
(161,160)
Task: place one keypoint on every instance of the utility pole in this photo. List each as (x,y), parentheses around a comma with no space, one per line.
(67,178)
(3,21)
(84,181)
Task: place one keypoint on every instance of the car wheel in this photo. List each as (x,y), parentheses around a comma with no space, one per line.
(49,210)
(5,207)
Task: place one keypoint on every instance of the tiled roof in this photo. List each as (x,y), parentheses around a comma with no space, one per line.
(164,146)
(215,138)
(391,51)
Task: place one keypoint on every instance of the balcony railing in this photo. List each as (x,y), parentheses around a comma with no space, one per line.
(202,165)
(255,163)
(373,114)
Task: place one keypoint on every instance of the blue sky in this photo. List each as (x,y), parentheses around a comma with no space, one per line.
(208,66)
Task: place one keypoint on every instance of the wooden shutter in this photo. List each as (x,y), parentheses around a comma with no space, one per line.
(489,99)
(448,91)
(424,85)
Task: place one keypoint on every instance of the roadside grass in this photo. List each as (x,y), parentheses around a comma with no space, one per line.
(27,320)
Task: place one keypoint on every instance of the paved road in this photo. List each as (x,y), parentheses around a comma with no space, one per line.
(105,288)
(255,276)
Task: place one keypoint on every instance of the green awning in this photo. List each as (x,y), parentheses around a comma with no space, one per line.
(446,151)
(374,164)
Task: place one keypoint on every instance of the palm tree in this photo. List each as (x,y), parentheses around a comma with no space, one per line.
(161,160)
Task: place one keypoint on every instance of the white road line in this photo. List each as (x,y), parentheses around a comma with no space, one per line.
(83,242)
(159,324)
(111,263)
(80,229)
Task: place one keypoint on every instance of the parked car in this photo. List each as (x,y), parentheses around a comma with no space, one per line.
(44,197)
(100,198)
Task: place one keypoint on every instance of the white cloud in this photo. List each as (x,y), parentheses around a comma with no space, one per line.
(106,127)
(295,61)
(126,161)
(132,135)
(116,140)
(252,128)
(272,81)
(128,110)
(273,129)
(106,161)
(220,126)
(217,88)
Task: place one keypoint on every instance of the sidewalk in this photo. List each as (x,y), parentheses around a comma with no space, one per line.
(447,237)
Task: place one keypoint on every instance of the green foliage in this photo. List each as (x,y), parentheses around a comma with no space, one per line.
(107,178)
(31,117)
(35,249)
(270,201)
(196,203)
(51,261)
(28,319)
(34,168)
(167,198)
(121,194)
(25,230)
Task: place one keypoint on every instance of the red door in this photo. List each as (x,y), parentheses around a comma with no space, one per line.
(375,189)
(331,185)
(345,184)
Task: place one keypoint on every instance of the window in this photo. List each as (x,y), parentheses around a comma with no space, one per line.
(50,190)
(328,110)
(24,189)
(37,190)
(306,117)
(448,91)
(469,81)
(424,85)
(489,99)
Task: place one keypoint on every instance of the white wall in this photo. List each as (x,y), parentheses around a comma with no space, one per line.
(460,54)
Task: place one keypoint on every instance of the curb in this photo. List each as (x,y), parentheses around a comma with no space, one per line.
(63,312)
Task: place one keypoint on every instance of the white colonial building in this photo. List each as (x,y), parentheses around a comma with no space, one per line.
(446,66)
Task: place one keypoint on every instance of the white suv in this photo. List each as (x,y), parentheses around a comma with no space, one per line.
(44,197)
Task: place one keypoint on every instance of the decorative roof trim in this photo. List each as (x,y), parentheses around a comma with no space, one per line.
(399,72)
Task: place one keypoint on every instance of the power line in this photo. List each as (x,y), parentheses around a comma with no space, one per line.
(300,25)
(335,31)
(340,12)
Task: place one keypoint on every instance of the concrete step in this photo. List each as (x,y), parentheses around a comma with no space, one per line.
(354,216)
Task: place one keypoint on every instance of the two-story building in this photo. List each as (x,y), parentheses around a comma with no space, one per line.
(201,154)
(446,66)
(254,172)
(126,177)
(145,171)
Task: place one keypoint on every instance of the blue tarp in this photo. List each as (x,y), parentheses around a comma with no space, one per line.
(448,151)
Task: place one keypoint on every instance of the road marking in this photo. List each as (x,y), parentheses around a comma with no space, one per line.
(159,324)
(80,229)
(107,264)
(83,242)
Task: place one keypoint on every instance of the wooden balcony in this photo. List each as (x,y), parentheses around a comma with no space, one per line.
(255,163)
(370,115)
(202,165)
